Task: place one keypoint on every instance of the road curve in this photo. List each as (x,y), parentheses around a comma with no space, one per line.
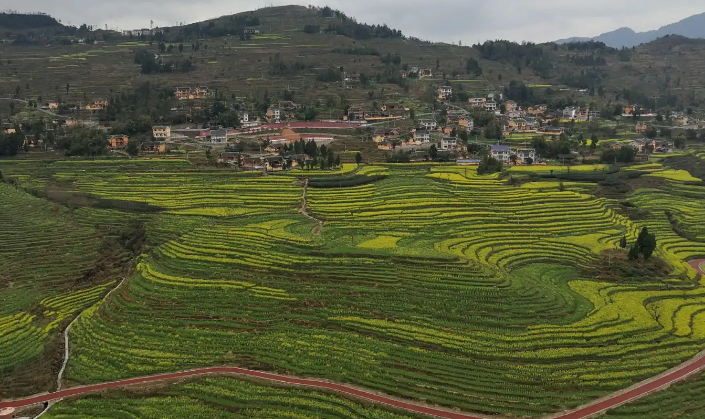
(698,265)
(611,401)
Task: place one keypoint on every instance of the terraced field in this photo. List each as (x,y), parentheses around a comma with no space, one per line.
(45,255)
(682,401)
(430,283)
(220,398)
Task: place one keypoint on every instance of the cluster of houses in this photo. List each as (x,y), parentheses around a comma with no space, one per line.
(284,111)
(192,93)
(142,32)
(420,73)
(387,112)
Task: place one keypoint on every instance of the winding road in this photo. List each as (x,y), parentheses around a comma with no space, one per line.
(698,265)
(635,392)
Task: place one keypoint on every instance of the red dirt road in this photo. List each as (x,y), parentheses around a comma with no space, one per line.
(698,265)
(637,391)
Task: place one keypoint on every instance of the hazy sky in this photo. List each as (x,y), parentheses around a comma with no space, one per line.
(468,21)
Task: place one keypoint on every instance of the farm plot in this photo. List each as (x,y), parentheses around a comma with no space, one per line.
(430,284)
(681,401)
(221,398)
(45,257)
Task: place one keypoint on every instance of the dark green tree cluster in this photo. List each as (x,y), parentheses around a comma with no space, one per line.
(489,165)
(83,142)
(473,67)
(645,245)
(623,155)
(322,156)
(10,144)
(551,149)
(348,27)
(150,64)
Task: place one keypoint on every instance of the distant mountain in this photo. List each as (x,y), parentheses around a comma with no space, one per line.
(691,27)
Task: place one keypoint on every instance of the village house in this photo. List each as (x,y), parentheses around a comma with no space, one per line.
(8,129)
(161,132)
(552,130)
(356,113)
(501,153)
(422,137)
(153,147)
(288,105)
(449,143)
(382,134)
(510,105)
(116,142)
(445,92)
(428,124)
(490,106)
(218,135)
(97,105)
(644,145)
(253,163)
(525,155)
(641,127)
(52,105)
(537,110)
(393,107)
(566,159)
(252,31)
(352,77)
(229,157)
(425,73)
(477,102)
(575,113)
(274,115)
(594,114)
(192,93)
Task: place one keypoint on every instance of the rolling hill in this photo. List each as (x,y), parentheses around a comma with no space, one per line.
(302,51)
(691,27)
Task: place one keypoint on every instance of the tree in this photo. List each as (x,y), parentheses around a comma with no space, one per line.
(433,152)
(337,160)
(489,165)
(634,252)
(679,142)
(132,148)
(358,158)
(12,108)
(646,243)
(623,242)
(181,48)
(68,86)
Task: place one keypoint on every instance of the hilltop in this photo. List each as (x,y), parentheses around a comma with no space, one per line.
(691,27)
(20,22)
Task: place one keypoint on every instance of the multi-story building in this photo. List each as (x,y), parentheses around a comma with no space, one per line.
(161,132)
(501,153)
(445,92)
